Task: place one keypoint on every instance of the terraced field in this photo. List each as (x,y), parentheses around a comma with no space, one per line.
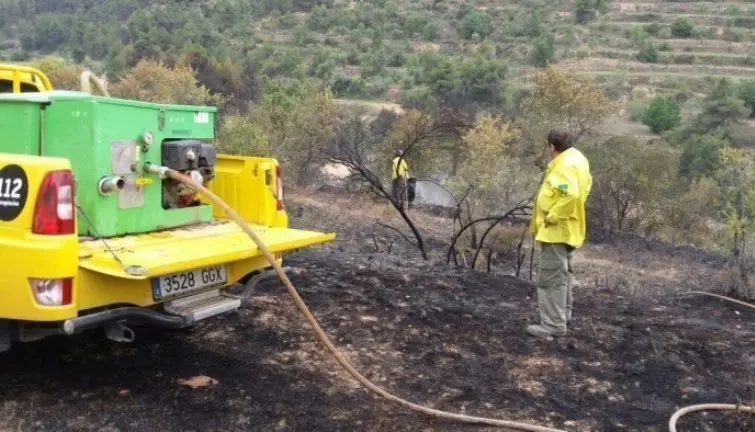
(696,41)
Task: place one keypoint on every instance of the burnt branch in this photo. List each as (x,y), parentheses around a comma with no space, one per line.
(408,240)
(520,256)
(520,212)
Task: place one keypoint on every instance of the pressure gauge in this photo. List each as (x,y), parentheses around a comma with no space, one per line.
(124,156)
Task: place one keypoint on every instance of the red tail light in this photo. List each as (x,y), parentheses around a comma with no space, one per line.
(279,192)
(54,212)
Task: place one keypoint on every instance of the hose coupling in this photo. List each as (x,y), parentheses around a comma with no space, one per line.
(159,170)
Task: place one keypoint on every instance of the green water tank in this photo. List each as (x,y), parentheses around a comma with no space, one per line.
(108,140)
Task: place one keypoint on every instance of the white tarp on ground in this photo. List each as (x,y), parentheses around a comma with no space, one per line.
(430,193)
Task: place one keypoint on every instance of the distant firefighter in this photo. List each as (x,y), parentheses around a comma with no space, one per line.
(400,175)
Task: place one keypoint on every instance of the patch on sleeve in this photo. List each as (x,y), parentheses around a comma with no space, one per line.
(563,187)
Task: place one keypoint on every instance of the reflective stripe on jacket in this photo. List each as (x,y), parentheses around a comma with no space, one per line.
(561,200)
(401,170)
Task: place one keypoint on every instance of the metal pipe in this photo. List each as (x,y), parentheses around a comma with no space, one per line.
(108,185)
(87,322)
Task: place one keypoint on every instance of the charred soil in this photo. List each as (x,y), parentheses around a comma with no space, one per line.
(448,338)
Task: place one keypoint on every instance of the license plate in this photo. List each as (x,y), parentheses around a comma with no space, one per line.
(186,282)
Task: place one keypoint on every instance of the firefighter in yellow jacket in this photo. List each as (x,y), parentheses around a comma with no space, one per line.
(559,226)
(400,175)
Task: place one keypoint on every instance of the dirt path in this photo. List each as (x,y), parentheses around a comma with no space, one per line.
(449,339)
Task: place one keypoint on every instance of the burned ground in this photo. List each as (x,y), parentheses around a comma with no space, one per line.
(443,337)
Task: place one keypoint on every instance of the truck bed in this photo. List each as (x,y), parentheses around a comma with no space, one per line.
(195,246)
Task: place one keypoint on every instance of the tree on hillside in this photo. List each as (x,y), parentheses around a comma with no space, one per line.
(586,10)
(456,83)
(701,156)
(543,51)
(64,76)
(237,85)
(152,81)
(686,213)
(528,22)
(496,188)
(630,178)
(292,122)
(682,28)
(475,23)
(737,204)
(662,115)
(721,109)
(746,92)
(648,53)
(561,99)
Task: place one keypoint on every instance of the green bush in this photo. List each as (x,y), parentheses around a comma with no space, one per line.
(653,29)
(648,53)
(543,51)
(734,34)
(475,22)
(746,92)
(682,28)
(700,32)
(701,156)
(21,55)
(662,115)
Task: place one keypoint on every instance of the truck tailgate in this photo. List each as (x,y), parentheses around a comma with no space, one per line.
(176,250)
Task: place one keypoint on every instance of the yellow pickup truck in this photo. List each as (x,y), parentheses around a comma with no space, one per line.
(89,239)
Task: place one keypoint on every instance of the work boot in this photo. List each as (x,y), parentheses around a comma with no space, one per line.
(541,331)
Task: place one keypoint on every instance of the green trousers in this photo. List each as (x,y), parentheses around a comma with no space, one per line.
(399,189)
(554,285)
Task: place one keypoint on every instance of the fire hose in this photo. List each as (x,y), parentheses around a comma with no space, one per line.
(705,407)
(166,172)
(711,406)
(461,418)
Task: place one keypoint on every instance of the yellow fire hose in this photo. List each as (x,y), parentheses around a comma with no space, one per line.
(166,172)
(718,296)
(321,334)
(705,407)
(711,406)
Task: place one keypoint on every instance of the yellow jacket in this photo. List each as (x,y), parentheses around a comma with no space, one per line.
(399,170)
(559,212)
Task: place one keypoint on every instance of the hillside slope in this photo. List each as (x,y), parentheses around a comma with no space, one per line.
(399,50)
